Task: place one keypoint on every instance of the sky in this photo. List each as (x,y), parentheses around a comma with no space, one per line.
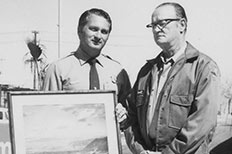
(130,42)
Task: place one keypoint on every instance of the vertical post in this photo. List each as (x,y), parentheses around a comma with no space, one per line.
(1,95)
(58,25)
(35,36)
(34,64)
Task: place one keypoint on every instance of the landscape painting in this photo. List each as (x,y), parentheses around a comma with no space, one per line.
(68,125)
(78,128)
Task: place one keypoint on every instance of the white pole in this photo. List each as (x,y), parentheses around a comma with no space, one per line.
(58,28)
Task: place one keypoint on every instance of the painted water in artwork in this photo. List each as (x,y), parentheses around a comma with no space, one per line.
(65,129)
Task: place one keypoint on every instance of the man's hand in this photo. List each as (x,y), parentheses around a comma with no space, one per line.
(121,113)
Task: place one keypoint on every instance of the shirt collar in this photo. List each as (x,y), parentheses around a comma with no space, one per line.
(90,61)
(175,57)
(191,53)
(82,62)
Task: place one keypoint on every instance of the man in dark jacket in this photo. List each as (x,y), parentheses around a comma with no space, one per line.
(173,104)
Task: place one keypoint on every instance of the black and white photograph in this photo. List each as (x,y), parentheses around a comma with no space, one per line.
(166,62)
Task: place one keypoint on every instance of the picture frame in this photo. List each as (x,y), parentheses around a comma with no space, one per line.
(64,122)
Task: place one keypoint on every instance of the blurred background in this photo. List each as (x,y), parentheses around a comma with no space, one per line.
(54,24)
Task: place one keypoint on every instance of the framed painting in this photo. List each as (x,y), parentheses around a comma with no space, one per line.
(80,122)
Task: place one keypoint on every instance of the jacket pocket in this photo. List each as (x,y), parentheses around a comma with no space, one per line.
(178,110)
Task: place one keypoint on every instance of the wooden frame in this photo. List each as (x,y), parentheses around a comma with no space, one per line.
(64,122)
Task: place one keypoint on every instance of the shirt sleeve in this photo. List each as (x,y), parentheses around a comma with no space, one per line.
(52,79)
(202,119)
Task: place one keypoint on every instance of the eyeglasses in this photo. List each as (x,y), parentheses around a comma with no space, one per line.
(161,23)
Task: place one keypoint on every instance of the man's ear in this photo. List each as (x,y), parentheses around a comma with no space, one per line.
(79,33)
(183,25)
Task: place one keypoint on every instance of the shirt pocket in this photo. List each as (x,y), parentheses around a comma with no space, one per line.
(179,110)
(68,84)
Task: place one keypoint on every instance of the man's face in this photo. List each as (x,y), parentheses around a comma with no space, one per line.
(165,32)
(94,35)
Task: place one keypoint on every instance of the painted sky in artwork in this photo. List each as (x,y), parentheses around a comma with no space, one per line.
(49,126)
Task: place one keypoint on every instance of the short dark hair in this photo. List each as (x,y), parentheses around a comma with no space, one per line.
(180,12)
(83,18)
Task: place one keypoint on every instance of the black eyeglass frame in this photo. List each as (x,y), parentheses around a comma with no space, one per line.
(160,23)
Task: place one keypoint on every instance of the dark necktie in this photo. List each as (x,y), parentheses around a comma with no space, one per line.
(171,61)
(162,63)
(93,75)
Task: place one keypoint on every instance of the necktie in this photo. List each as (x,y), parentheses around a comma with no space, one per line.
(171,61)
(93,75)
(162,63)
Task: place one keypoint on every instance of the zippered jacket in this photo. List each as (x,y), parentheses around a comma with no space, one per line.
(186,110)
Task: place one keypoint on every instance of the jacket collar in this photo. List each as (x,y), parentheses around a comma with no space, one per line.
(190,54)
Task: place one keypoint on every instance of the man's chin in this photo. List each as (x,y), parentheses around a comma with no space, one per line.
(96,51)
(160,42)
(97,47)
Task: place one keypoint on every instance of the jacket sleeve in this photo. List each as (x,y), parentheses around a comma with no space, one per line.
(131,126)
(52,81)
(124,90)
(124,87)
(134,145)
(203,116)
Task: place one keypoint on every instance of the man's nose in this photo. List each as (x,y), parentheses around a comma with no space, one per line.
(156,28)
(98,34)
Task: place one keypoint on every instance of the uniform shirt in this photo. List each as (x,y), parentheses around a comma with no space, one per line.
(71,73)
